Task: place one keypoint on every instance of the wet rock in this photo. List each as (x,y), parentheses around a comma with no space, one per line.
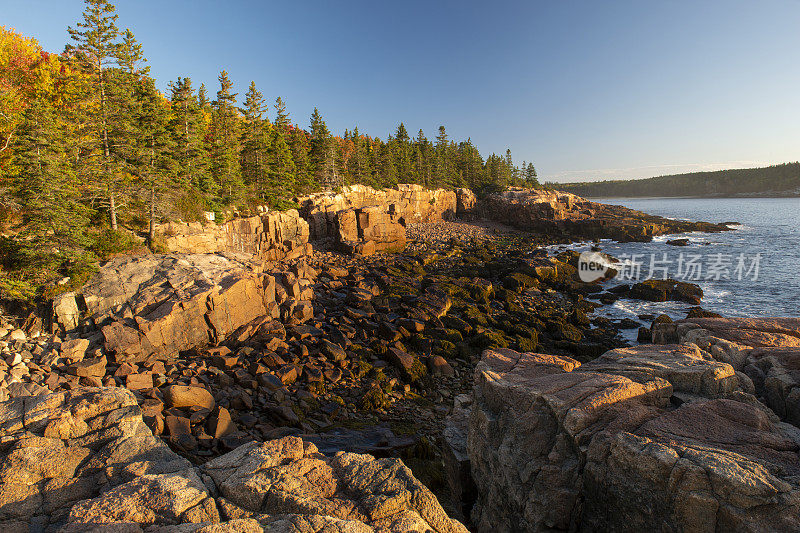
(657,290)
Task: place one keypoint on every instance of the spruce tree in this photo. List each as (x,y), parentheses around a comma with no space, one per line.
(155,164)
(387,172)
(322,152)
(202,97)
(530,175)
(282,171)
(49,190)
(442,176)
(299,143)
(224,138)
(96,45)
(281,115)
(255,142)
(188,129)
(402,154)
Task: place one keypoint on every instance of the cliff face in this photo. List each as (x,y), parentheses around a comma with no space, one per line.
(412,203)
(274,236)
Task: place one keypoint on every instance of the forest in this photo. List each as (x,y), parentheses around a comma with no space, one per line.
(776,180)
(93,155)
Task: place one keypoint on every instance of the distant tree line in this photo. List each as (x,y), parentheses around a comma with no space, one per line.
(779,180)
(89,144)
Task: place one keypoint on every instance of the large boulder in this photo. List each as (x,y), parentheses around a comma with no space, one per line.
(651,438)
(163,304)
(367,230)
(290,476)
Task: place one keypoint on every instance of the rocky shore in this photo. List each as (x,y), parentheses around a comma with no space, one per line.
(252,375)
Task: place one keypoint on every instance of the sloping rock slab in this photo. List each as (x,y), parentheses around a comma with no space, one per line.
(601,447)
(767,350)
(162,304)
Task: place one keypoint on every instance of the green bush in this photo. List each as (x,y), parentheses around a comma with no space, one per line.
(109,242)
(15,289)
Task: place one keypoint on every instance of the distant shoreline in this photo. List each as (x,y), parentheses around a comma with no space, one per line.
(708,197)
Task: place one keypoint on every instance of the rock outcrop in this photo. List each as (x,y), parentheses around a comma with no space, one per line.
(273,236)
(163,304)
(466,204)
(412,203)
(766,350)
(84,460)
(644,438)
(367,230)
(557,213)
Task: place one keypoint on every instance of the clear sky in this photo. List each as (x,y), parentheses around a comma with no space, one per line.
(584,89)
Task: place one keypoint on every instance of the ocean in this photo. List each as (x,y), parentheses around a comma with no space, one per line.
(751,271)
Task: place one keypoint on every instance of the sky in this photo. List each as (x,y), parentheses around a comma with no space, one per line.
(585,90)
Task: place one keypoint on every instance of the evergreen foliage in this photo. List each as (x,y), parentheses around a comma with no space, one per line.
(91,153)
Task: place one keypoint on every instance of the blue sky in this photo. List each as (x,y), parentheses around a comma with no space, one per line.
(584,89)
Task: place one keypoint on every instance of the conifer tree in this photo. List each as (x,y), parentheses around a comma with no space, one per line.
(387,172)
(202,97)
(255,142)
(96,45)
(300,146)
(49,190)
(402,154)
(282,171)
(281,115)
(155,164)
(224,138)
(442,176)
(530,175)
(322,151)
(188,129)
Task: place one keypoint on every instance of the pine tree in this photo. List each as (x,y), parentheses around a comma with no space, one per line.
(96,45)
(49,190)
(255,142)
(224,138)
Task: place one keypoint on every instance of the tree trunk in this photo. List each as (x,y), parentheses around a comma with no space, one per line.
(112,206)
(152,212)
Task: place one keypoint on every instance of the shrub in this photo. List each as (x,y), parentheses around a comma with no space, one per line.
(109,242)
